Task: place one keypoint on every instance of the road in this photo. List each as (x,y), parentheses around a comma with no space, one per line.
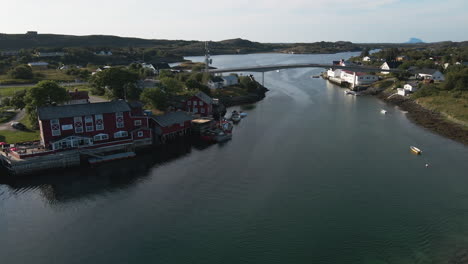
(34,84)
(19,115)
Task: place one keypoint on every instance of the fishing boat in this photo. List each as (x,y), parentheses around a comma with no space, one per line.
(415,150)
(215,135)
(383,111)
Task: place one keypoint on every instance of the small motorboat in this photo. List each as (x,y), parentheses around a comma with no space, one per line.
(235,116)
(349,92)
(242,114)
(415,150)
(383,111)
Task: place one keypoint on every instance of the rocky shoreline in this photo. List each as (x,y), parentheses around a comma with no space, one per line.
(426,118)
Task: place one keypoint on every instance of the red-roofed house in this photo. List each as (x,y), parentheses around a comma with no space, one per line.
(358,78)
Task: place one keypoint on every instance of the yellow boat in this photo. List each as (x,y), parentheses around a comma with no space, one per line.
(415,150)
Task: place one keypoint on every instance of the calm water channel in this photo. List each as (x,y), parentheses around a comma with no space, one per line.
(311,176)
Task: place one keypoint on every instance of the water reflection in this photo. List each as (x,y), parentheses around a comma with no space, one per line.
(72,184)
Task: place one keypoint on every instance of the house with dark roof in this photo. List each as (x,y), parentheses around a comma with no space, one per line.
(388,65)
(230,80)
(93,125)
(216,82)
(78,97)
(428,74)
(199,104)
(171,125)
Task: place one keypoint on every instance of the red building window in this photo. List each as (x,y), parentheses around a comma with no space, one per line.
(119,120)
(78,124)
(55,127)
(89,123)
(99,122)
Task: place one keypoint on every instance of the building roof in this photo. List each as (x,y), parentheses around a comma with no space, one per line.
(204,97)
(171,118)
(55,112)
(413,84)
(424,71)
(230,78)
(39,63)
(217,79)
(78,95)
(393,64)
(357,73)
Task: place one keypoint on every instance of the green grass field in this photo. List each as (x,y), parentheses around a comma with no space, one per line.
(10,91)
(15,136)
(453,105)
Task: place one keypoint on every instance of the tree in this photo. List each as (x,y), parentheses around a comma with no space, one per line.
(6,101)
(132,92)
(17,101)
(112,81)
(155,97)
(43,94)
(21,72)
(171,85)
(364,52)
(247,83)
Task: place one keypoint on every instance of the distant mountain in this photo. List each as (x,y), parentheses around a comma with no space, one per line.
(414,40)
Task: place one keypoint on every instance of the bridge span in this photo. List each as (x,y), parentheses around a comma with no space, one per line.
(267,68)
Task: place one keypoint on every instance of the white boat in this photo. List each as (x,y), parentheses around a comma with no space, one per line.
(383,111)
(242,114)
(235,116)
(349,92)
(415,150)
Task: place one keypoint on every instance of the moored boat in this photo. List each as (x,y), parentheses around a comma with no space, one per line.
(415,150)
(235,116)
(383,111)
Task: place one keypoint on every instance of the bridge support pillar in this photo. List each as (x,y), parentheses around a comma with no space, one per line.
(263,79)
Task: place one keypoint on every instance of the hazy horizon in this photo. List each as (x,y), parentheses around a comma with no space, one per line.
(358,21)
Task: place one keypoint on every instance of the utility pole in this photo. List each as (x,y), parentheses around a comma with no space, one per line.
(208,59)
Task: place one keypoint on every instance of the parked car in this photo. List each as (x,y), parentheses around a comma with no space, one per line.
(18,125)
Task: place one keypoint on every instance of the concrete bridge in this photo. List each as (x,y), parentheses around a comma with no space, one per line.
(267,68)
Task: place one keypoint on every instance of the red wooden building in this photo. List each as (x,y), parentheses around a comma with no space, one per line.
(171,125)
(200,104)
(93,125)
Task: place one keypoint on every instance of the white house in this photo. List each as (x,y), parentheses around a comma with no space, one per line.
(230,80)
(149,67)
(334,73)
(358,78)
(368,59)
(50,54)
(411,87)
(388,65)
(216,83)
(104,53)
(431,74)
(38,65)
(402,91)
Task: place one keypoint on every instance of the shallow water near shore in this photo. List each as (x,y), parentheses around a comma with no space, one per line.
(310,176)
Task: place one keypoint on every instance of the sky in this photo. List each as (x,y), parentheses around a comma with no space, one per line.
(360,21)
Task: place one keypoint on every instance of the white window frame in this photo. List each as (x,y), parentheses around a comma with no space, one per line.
(78,120)
(55,123)
(137,122)
(100,118)
(140,134)
(194,103)
(200,103)
(119,124)
(120,134)
(89,120)
(100,137)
